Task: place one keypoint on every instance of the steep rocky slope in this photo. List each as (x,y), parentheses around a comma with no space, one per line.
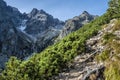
(10,17)
(9,13)
(92,64)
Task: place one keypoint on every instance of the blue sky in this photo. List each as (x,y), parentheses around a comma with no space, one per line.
(62,9)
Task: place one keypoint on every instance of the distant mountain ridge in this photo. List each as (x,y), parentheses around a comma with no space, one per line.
(39,21)
(76,22)
(23,34)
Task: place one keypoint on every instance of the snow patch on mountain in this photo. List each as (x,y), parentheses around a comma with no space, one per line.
(22,27)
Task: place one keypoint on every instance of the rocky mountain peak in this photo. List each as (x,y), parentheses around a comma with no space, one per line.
(35,10)
(76,22)
(85,13)
(42,11)
(40,21)
(37,13)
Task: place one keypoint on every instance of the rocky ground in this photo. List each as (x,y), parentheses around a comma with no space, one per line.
(85,66)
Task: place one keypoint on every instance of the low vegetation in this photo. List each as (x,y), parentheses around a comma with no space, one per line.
(111,56)
(117,25)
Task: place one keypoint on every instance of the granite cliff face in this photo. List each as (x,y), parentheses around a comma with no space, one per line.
(23,34)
